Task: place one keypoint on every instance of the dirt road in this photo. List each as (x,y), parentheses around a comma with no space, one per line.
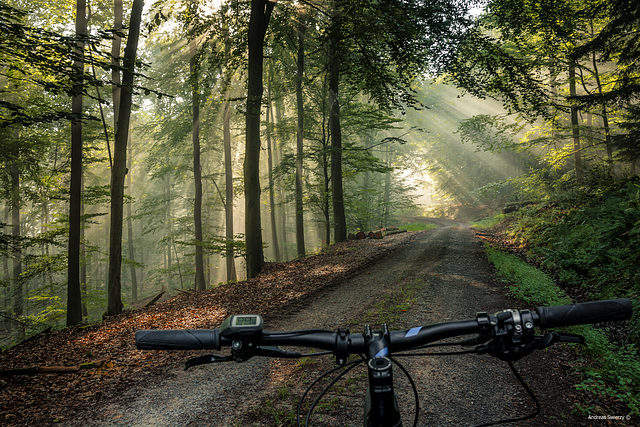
(448,278)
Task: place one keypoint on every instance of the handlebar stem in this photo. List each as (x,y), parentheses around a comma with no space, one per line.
(377,343)
(381,406)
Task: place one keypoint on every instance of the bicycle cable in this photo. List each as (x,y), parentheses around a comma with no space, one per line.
(531,394)
(446,344)
(513,369)
(349,366)
(415,390)
(297,333)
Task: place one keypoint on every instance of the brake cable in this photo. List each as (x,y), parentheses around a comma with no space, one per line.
(478,351)
(350,365)
(347,367)
(525,417)
(415,390)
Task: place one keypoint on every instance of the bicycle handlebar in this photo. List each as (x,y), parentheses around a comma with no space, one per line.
(508,335)
(546,317)
(586,312)
(178,339)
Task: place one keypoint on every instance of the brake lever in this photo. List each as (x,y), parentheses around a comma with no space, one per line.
(574,338)
(203,360)
(540,342)
(273,351)
(544,341)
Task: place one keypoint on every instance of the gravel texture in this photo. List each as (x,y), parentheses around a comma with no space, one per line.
(450,279)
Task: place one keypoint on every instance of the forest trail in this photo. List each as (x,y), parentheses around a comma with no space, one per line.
(451,279)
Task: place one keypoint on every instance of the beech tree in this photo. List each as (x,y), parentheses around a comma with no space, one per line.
(194,67)
(74,292)
(381,47)
(301,29)
(551,62)
(260,15)
(119,169)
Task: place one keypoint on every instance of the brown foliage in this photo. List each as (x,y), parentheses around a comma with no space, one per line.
(37,399)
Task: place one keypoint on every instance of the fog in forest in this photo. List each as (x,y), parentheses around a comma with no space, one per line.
(363,122)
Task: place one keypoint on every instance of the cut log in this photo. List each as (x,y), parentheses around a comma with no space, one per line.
(39,370)
(153,301)
(386,233)
(31,370)
(361,235)
(57,369)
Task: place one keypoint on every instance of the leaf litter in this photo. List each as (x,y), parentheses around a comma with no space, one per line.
(107,352)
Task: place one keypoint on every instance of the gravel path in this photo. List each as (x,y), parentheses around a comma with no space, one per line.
(451,280)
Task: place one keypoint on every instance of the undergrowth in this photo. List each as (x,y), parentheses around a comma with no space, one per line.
(613,370)
(488,222)
(589,242)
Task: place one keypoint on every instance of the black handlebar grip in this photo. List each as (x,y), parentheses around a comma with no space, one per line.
(168,339)
(586,312)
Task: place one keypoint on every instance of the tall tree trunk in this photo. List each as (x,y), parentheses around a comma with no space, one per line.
(575,129)
(200,284)
(282,206)
(228,177)
(119,170)
(83,260)
(115,58)
(325,166)
(386,203)
(299,134)
(169,242)
(272,202)
(132,255)
(230,263)
(339,219)
(370,212)
(325,199)
(18,300)
(74,291)
(258,22)
(5,260)
(6,275)
(48,278)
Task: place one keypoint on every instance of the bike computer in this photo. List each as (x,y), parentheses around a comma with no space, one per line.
(241,325)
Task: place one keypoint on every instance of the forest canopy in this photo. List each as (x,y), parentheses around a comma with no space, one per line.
(148,148)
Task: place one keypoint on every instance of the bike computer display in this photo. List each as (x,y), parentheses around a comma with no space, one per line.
(241,325)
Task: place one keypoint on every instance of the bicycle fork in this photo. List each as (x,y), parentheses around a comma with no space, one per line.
(381,407)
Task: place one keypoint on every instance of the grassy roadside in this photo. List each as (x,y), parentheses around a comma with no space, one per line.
(609,370)
(418,226)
